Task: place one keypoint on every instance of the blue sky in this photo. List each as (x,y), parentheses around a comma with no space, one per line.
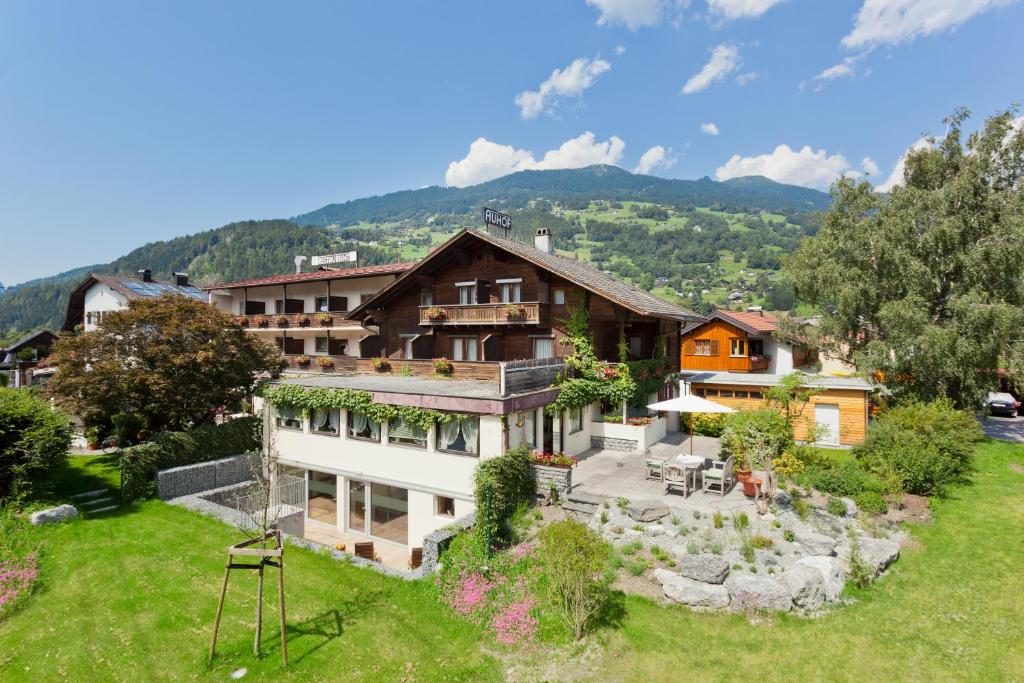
(126,122)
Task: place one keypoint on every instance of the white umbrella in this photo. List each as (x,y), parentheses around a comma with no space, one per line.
(690,404)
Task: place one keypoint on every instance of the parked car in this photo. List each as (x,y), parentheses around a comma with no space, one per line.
(1002,403)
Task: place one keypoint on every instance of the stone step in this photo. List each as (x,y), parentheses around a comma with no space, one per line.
(98,511)
(93,503)
(588,498)
(91,494)
(582,508)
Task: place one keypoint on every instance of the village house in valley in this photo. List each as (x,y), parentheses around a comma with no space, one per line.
(473,331)
(97,295)
(733,356)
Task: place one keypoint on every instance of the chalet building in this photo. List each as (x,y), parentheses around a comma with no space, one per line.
(20,361)
(304,314)
(494,310)
(733,357)
(97,295)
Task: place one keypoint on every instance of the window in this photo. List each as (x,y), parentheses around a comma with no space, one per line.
(575,419)
(737,347)
(426,298)
(558,295)
(543,347)
(362,427)
(321,345)
(401,431)
(511,291)
(725,393)
(636,347)
(321,303)
(241,307)
(444,506)
(322,503)
(461,436)
(702,347)
(467,292)
(289,417)
(365,297)
(712,392)
(389,513)
(756,394)
(742,394)
(325,421)
(756,347)
(464,348)
(699,392)
(278,305)
(530,428)
(407,340)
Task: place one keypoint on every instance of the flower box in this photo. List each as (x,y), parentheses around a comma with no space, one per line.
(436,314)
(443,366)
(261,321)
(326,363)
(242,320)
(380,364)
(325,319)
(560,460)
(302,361)
(281,320)
(515,312)
(303,320)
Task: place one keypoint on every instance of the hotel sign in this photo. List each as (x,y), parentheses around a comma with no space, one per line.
(497,219)
(346,257)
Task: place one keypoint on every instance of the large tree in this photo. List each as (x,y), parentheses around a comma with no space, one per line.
(926,283)
(170,360)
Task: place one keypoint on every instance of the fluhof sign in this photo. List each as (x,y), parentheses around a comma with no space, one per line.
(346,257)
(501,220)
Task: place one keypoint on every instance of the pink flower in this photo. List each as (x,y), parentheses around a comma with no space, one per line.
(16,579)
(471,593)
(521,551)
(513,623)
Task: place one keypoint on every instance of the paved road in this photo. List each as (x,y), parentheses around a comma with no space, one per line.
(1008,428)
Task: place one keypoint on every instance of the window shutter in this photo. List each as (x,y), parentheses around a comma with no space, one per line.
(691,348)
(714,347)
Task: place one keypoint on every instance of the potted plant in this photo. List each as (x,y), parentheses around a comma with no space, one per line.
(443,366)
(436,314)
(324,318)
(260,320)
(380,364)
(302,361)
(515,312)
(242,320)
(302,320)
(92,438)
(281,320)
(326,363)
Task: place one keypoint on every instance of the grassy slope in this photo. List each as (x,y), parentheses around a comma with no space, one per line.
(132,596)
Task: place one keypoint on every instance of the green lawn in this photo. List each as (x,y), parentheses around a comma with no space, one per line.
(131,597)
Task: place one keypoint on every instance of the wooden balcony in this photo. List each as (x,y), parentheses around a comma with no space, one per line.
(747,363)
(525,313)
(294,321)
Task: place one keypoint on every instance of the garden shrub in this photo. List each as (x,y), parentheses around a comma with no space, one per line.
(573,559)
(34,438)
(846,479)
(835,507)
(127,427)
(755,437)
(139,464)
(500,486)
(705,424)
(929,445)
(871,502)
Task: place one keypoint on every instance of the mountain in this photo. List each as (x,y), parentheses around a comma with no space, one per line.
(593,182)
(406,223)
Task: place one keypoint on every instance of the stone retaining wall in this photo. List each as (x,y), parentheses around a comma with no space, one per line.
(203,476)
(560,476)
(612,443)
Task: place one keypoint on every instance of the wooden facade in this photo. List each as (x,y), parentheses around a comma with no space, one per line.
(710,347)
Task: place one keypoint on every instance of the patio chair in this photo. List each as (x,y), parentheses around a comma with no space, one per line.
(655,468)
(415,558)
(720,475)
(365,551)
(675,477)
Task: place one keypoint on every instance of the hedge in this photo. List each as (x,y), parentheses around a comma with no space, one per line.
(501,485)
(139,464)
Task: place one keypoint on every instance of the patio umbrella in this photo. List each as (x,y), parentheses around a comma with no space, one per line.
(690,404)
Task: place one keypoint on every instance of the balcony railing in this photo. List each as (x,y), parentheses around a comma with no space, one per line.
(460,369)
(747,363)
(526,313)
(294,321)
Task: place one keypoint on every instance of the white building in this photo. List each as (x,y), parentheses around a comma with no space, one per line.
(97,295)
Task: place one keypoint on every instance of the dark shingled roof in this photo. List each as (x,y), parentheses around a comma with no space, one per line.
(316,275)
(583,274)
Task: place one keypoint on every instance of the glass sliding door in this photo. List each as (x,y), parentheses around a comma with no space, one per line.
(322,503)
(357,506)
(389,516)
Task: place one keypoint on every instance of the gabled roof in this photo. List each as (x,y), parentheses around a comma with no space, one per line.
(129,287)
(44,337)
(751,322)
(318,275)
(582,274)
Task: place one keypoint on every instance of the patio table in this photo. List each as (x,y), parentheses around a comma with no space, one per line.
(691,465)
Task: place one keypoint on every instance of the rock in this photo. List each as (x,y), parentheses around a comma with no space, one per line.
(754,592)
(632,533)
(806,586)
(851,507)
(815,543)
(783,500)
(647,510)
(693,593)
(831,570)
(706,568)
(878,552)
(765,558)
(57,514)
(655,530)
(831,524)
(671,532)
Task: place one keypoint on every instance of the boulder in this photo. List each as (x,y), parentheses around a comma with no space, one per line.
(814,543)
(831,570)
(671,532)
(828,523)
(851,507)
(765,558)
(654,530)
(57,514)
(647,510)
(878,552)
(806,586)
(695,594)
(783,500)
(755,592)
(706,568)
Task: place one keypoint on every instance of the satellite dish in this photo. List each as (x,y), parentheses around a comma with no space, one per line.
(299,260)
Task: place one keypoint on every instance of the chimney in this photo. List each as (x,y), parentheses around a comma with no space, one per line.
(181,279)
(299,261)
(542,240)
(755,309)
(146,275)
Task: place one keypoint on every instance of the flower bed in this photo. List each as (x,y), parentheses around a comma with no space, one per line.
(552,459)
(638,433)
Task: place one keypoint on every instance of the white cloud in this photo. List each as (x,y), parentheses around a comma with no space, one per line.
(896,177)
(569,82)
(620,50)
(633,14)
(804,167)
(869,166)
(655,157)
(740,9)
(890,22)
(724,60)
(709,129)
(487,160)
(743,79)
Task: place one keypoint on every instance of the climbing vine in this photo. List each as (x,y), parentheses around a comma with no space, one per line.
(320,398)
